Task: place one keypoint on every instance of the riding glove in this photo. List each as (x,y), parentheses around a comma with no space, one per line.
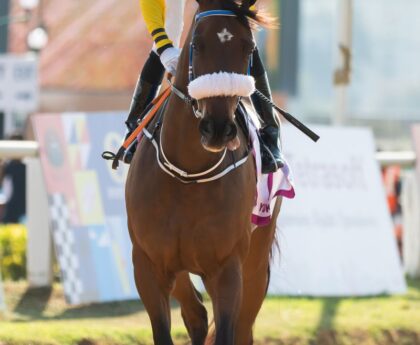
(169,59)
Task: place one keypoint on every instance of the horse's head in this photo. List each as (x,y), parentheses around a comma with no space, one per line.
(221,51)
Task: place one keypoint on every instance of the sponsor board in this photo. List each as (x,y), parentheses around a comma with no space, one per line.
(410,202)
(86,203)
(415,130)
(336,236)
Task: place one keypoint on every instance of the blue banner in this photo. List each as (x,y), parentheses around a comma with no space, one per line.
(86,203)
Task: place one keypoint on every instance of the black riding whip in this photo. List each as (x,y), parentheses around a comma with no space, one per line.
(294,121)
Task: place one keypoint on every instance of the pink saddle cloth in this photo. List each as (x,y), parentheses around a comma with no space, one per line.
(269,186)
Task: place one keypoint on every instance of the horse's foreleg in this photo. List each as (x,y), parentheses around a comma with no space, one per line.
(256,276)
(193,311)
(154,293)
(225,289)
(253,297)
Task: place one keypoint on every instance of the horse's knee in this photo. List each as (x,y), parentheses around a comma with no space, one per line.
(155,296)
(193,311)
(195,319)
(225,288)
(197,325)
(254,292)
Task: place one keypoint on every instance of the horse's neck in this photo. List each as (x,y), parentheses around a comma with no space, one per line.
(181,140)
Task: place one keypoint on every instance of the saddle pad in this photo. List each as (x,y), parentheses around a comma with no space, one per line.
(269,186)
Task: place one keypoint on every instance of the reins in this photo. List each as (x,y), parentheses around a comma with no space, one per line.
(164,163)
(152,109)
(182,175)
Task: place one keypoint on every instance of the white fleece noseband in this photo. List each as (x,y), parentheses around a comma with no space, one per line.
(221,84)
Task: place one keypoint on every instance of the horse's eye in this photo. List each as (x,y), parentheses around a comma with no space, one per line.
(249,47)
(197,47)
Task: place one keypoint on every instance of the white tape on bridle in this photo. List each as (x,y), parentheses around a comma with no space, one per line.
(221,84)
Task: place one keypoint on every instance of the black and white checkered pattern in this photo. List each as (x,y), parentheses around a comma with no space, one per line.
(64,245)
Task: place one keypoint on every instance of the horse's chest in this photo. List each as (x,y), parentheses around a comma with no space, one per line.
(166,201)
(179,212)
(186,225)
(191,221)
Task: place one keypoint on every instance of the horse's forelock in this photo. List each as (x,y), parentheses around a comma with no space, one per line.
(248,17)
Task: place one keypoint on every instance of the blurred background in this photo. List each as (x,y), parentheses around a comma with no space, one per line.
(88,57)
(332,63)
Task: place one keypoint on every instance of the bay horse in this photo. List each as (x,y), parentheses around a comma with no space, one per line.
(179,225)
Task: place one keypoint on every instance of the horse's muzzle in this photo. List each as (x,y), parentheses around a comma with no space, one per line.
(216,135)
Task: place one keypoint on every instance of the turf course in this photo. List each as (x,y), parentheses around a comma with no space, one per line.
(41,316)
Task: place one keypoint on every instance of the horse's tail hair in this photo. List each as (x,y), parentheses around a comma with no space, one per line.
(275,247)
(268,278)
(211,338)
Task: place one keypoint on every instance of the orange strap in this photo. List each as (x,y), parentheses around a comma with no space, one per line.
(157,102)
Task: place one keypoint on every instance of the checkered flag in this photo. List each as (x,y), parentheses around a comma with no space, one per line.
(64,245)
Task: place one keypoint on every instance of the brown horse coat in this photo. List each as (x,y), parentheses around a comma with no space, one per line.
(205,228)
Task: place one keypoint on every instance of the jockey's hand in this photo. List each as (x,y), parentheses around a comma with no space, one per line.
(169,59)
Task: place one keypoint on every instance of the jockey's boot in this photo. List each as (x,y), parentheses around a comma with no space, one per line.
(271,155)
(147,88)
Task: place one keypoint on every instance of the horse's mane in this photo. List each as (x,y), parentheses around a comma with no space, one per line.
(248,17)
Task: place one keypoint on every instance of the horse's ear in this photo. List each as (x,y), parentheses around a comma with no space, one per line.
(246,4)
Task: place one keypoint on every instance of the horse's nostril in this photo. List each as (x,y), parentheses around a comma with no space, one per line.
(206,128)
(230,131)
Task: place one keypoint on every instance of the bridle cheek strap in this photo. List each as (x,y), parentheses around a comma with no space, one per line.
(221,84)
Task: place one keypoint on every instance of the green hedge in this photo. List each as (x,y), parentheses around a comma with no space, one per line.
(13,252)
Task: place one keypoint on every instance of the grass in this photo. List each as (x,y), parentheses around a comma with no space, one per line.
(40,316)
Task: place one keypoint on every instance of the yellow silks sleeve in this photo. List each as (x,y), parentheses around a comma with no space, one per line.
(154,15)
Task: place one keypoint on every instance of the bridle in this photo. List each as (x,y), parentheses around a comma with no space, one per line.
(191,75)
(164,163)
(198,17)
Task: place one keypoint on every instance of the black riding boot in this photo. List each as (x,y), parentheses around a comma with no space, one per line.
(146,90)
(272,158)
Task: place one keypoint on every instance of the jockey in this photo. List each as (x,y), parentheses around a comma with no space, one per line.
(164,21)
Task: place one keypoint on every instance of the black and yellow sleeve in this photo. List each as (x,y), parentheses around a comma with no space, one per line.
(154,15)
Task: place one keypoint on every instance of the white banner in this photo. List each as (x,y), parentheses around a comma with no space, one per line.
(411,217)
(410,202)
(18,84)
(336,236)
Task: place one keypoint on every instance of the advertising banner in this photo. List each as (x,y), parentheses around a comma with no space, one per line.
(416,139)
(410,196)
(86,202)
(336,237)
